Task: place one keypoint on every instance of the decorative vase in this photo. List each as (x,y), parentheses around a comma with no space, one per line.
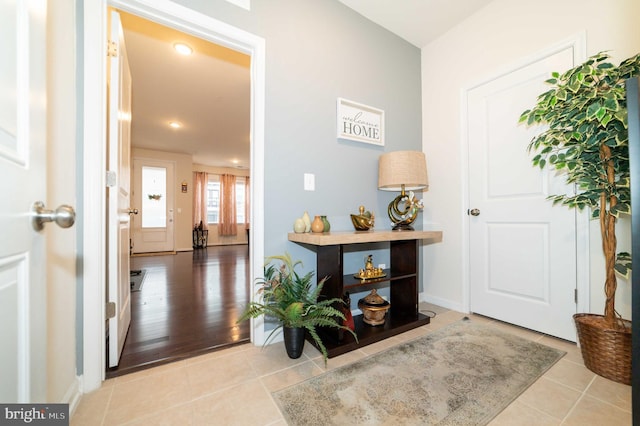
(346,310)
(294,341)
(327,225)
(307,222)
(317,225)
(299,226)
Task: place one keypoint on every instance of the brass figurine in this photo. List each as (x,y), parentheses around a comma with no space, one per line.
(363,221)
(369,271)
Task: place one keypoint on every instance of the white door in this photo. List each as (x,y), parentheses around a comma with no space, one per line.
(153,192)
(23,331)
(118,192)
(522,248)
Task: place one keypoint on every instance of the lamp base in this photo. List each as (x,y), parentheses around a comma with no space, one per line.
(402,227)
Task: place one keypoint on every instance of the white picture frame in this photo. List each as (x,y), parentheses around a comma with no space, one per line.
(359,122)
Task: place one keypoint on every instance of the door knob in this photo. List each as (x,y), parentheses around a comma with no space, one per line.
(474,212)
(64,216)
(133,211)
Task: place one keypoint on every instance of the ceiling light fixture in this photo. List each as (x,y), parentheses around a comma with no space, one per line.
(175,124)
(183,49)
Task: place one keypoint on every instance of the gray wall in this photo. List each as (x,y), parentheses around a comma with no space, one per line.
(317,51)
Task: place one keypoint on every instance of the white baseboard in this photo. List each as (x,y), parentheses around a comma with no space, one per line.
(73,395)
(444,303)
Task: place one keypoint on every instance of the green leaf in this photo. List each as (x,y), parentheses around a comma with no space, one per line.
(592,110)
(611,104)
(623,264)
(561,94)
(605,119)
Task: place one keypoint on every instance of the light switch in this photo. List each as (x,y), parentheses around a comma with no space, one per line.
(309,182)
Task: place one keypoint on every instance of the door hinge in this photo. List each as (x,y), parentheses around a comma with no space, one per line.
(111,310)
(112,49)
(575,296)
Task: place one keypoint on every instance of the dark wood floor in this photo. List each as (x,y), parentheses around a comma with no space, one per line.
(188,305)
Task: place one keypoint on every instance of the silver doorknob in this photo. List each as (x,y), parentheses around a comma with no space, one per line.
(474,212)
(133,211)
(64,216)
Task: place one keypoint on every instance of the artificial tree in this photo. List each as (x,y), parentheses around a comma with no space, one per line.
(587,139)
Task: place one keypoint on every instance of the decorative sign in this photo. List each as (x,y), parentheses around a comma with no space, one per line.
(361,123)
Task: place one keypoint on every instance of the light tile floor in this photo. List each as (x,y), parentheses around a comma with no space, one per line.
(233,387)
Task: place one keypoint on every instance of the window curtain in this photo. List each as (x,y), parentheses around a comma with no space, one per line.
(247,204)
(200,182)
(227,225)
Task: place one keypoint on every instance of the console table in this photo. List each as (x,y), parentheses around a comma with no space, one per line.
(401,278)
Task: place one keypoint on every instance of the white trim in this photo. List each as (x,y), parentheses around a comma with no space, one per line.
(73,395)
(172,15)
(464,195)
(583,254)
(578,42)
(93,207)
(444,303)
(245,4)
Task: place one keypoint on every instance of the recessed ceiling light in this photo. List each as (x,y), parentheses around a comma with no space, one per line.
(175,124)
(183,49)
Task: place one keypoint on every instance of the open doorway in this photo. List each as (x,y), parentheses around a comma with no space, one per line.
(193,111)
(93,300)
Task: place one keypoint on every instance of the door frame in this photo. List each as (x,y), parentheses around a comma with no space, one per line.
(92,59)
(578,42)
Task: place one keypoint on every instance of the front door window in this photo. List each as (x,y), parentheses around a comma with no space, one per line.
(154,197)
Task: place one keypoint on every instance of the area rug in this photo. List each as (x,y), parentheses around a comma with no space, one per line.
(137,279)
(463,374)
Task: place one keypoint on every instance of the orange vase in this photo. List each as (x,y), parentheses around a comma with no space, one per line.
(317,225)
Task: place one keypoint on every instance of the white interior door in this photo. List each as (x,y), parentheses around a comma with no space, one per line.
(23,330)
(153,196)
(522,248)
(118,192)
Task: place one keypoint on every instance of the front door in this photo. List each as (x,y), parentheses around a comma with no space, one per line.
(153,192)
(23,292)
(118,193)
(522,248)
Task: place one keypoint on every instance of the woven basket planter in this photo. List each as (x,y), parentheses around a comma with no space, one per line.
(605,351)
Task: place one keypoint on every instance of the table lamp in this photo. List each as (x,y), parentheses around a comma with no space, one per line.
(403,171)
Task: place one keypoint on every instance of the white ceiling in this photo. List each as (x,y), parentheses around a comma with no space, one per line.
(209,91)
(417,21)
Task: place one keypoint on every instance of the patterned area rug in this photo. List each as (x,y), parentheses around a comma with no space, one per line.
(463,374)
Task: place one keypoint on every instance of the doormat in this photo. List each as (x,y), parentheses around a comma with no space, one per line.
(462,374)
(137,279)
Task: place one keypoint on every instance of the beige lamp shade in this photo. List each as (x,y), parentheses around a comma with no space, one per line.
(408,168)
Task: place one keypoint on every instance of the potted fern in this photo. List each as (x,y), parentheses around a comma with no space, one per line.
(293,301)
(587,140)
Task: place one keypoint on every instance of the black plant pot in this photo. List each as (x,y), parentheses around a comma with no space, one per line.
(294,341)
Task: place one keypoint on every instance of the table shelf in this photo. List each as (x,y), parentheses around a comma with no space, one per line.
(402,279)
